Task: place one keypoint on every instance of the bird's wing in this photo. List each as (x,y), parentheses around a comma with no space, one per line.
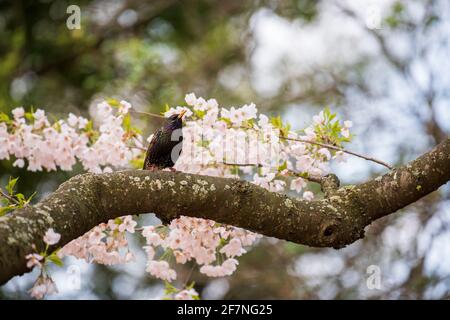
(153,147)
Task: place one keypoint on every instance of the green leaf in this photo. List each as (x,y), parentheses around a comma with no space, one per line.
(137,163)
(249,123)
(282,167)
(228,121)
(169,288)
(113,102)
(326,112)
(200,113)
(276,122)
(235,170)
(398,7)
(89,126)
(4,118)
(5,210)
(203,143)
(288,127)
(20,197)
(332,116)
(137,130)
(29,116)
(127,122)
(55,259)
(11,184)
(31,197)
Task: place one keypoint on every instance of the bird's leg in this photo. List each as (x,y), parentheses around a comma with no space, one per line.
(172,169)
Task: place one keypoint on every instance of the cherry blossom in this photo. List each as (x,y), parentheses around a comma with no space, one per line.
(51,237)
(298,184)
(161,270)
(345,130)
(308,195)
(225,269)
(233,248)
(33,259)
(127,224)
(43,286)
(189,294)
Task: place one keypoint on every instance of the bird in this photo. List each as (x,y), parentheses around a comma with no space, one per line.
(159,152)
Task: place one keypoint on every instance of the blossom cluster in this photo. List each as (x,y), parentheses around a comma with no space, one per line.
(105,244)
(31,136)
(237,141)
(212,246)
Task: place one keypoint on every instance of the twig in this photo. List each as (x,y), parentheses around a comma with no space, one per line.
(7,196)
(313,178)
(136,147)
(188,276)
(329,146)
(147,113)
(242,164)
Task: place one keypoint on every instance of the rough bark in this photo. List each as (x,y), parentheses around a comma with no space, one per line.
(337,220)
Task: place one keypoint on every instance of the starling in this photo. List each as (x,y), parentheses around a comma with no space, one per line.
(159,151)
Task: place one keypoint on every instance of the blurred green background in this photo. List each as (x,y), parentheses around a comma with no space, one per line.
(382,64)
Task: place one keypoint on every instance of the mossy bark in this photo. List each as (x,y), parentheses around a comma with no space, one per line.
(339,219)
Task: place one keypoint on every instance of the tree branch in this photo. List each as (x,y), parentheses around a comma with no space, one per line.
(339,219)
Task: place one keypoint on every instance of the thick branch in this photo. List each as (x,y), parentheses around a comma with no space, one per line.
(339,219)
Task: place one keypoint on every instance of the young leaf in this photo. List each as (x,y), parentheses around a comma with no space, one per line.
(55,259)
(282,167)
(127,122)
(11,184)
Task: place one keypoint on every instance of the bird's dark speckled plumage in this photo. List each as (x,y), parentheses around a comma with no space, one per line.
(159,152)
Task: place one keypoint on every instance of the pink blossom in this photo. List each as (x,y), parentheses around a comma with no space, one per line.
(189,294)
(152,237)
(348,124)
(51,237)
(308,195)
(33,259)
(326,153)
(127,224)
(298,184)
(345,132)
(161,270)
(96,235)
(190,99)
(18,113)
(233,248)
(226,269)
(124,107)
(319,119)
(340,156)
(19,163)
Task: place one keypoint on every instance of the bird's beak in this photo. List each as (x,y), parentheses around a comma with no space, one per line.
(182,114)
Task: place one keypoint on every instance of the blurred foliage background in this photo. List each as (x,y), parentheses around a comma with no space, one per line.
(382,64)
